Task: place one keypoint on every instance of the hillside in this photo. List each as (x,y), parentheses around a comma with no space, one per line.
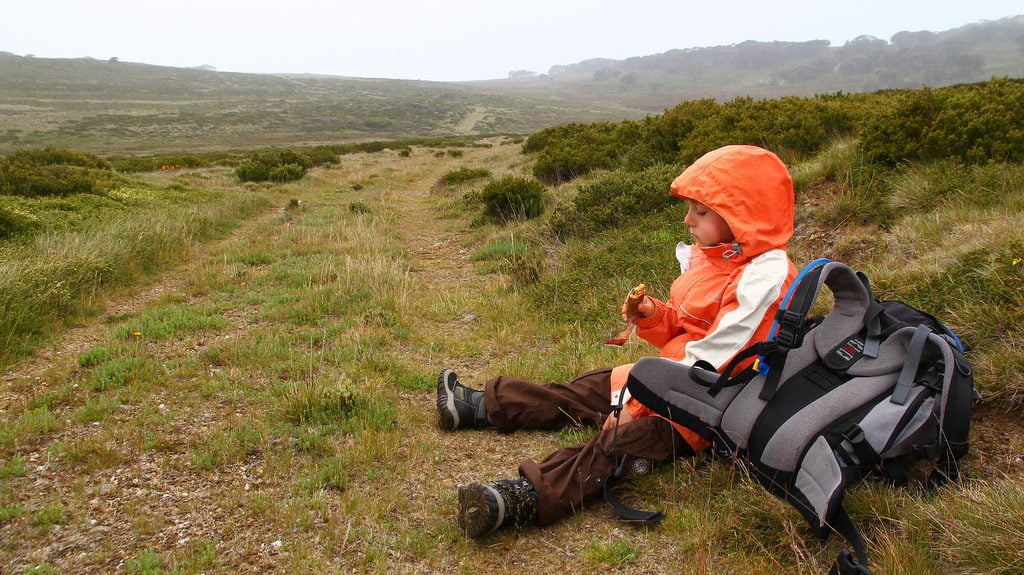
(120,107)
(971,53)
(114,107)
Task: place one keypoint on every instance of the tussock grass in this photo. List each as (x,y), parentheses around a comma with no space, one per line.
(28,427)
(836,163)
(978,526)
(56,276)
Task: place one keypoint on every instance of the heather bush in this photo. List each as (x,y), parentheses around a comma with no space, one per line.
(173,161)
(976,123)
(511,198)
(57,156)
(273,165)
(13,223)
(321,155)
(286,173)
(21,179)
(577,149)
(790,126)
(51,172)
(252,171)
(616,198)
(462,176)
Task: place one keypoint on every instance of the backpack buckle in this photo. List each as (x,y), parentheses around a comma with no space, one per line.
(787,317)
(787,339)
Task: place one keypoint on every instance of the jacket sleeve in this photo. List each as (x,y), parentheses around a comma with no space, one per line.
(661,326)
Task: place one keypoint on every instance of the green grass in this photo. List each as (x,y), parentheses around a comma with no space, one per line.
(49,516)
(615,554)
(90,453)
(98,408)
(29,426)
(978,525)
(13,468)
(461,176)
(172,321)
(318,402)
(94,356)
(309,417)
(123,372)
(501,249)
(54,276)
(10,513)
(228,446)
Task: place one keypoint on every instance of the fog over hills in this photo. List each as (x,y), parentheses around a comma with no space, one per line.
(971,53)
(120,107)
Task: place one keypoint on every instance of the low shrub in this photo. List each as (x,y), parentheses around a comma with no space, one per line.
(322,155)
(45,180)
(616,198)
(976,124)
(252,171)
(13,223)
(52,172)
(567,152)
(51,156)
(512,197)
(168,161)
(273,165)
(462,176)
(286,173)
(641,250)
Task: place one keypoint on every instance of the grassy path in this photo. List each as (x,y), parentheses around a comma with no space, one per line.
(268,406)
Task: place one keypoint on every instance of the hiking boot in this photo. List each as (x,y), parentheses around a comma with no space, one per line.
(485,508)
(459,407)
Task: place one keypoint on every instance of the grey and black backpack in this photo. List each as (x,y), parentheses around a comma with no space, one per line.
(834,399)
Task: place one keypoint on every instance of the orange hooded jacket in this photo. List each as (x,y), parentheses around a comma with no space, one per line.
(727,295)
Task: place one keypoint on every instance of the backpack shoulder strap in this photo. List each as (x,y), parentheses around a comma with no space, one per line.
(852,300)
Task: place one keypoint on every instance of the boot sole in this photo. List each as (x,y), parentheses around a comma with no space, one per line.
(481,509)
(447,416)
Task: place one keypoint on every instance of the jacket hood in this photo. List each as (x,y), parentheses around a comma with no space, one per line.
(750,188)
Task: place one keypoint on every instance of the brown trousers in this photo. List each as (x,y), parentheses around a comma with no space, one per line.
(569,478)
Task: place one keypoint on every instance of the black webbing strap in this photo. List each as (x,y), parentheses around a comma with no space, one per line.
(956,423)
(905,383)
(726,379)
(791,329)
(845,563)
(872,320)
(864,455)
(621,509)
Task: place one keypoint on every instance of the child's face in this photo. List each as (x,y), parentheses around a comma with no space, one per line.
(706,226)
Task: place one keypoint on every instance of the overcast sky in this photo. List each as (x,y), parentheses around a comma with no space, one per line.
(445,39)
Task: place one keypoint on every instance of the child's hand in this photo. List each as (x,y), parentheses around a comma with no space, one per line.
(646,307)
(643,309)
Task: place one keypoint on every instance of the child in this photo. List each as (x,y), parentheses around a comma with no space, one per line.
(740,216)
